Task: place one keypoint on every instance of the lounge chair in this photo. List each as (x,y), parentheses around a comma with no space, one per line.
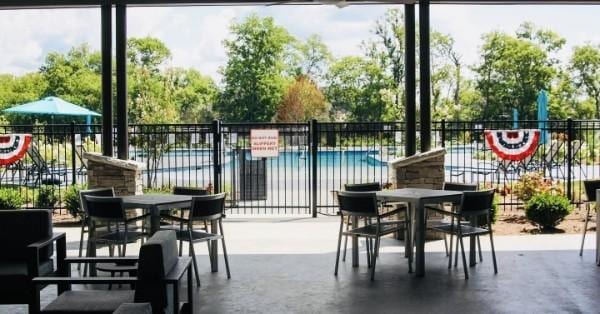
(40,173)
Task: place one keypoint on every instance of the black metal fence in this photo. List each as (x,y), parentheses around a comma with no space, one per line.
(315,159)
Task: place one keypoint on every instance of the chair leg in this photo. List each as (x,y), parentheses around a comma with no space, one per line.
(346,242)
(125,240)
(587,218)
(493,249)
(479,249)
(81,242)
(449,252)
(456,253)
(224,249)
(464,259)
(446,245)
(193,254)
(339,246)
(369,247)
(376,251)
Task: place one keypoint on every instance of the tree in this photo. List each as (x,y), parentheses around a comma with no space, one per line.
(254,75)
(16,90)
(147,52)
(356,87)
(512,72)
(150,92)
(387,51)
(74,76)
(585,65)
(310,58)
(194,94)
(303,101)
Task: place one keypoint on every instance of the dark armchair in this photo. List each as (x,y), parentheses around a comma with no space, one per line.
(26,251)
(160,271)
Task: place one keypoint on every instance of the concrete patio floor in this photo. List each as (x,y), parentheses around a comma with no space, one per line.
(285,265)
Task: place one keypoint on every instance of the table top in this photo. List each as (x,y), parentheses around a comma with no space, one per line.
(415,194)
(147,200)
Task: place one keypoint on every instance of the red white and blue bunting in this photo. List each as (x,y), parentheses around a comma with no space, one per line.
(513,144)
(13,147)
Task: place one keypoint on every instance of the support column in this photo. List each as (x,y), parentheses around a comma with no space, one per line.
(121,56)
(410,113)
(425,77)
(107,113)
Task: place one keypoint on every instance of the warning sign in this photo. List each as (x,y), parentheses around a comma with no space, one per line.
(264,143)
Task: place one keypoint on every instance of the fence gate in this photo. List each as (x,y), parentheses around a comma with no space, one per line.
(275,185)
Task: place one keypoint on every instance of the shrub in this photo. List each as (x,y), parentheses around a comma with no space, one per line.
(533,183)
(71,199)
(10,199)
(47,197)
(547,210)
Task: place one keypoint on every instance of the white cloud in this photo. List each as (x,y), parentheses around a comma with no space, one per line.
(27,36)
(195,34)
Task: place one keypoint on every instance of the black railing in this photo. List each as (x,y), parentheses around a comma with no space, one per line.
(315,159)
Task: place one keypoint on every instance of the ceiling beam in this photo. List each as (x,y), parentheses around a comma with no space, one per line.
(32,4)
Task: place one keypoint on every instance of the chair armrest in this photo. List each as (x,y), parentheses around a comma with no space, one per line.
(33,250)
(83,280)
(137,218)
(443,211)
(174,218)
(183,264)
(43,243)
(89,260)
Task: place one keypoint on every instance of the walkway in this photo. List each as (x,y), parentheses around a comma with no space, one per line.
(285,265)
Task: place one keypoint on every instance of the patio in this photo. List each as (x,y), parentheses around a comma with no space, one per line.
(285,265)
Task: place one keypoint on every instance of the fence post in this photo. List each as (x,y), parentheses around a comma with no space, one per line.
(569,156)
(443,136)
(314,147)
(216,131)
(73,165)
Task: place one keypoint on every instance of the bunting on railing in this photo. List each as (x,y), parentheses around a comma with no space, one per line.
(513,144)
(13,147)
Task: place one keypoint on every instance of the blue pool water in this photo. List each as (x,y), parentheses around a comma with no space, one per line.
(295,159)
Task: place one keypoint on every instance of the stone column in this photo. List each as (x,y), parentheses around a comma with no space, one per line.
(125,176)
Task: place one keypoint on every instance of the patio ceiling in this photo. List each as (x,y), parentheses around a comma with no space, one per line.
(24,4)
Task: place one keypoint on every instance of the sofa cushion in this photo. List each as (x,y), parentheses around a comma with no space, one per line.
(89,301)
(157,257)
(134,308)
(15,283)
(23,227)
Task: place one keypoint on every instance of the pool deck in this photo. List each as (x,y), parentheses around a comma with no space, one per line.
(285,265)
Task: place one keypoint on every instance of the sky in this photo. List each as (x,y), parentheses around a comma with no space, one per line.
(195,34)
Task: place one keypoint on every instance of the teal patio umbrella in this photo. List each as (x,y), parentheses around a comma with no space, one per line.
(515,118)
(54,106)
(542,115)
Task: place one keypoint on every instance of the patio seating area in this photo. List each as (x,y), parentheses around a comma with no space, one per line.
(285,265)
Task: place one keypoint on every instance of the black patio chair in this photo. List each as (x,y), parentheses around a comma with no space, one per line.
(364,205)
(204,208)
(26,251)
(85,219)
(103,210)
(181,190)
(590,187)
(159,276)
(451,186)
(474,205)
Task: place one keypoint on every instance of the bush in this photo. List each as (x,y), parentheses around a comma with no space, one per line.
(547,210)
(71,199)
(47,197)
(10,199)
(533,183)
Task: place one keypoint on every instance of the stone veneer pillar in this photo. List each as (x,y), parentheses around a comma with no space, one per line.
(125,176)
(422,170)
